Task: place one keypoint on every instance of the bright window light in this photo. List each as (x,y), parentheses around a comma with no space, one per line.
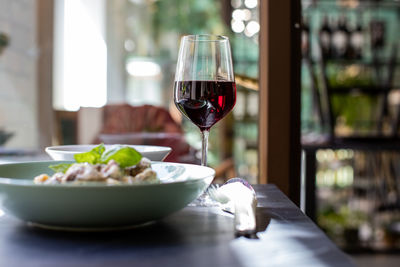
(247,14)
(236,3)
(237,26)
(81,74)
(250,3)
(238,14)
(252,28)
(143,68)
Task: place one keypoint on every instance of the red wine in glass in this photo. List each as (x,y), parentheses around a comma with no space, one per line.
(205,89)
(205,102)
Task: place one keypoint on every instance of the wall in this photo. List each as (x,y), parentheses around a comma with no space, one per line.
(18,67)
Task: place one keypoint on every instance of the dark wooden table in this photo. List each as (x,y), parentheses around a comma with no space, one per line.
(194,236)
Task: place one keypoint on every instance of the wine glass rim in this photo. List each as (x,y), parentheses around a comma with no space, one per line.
(205,38)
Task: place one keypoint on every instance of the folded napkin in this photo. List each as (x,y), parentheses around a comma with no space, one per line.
(238,197)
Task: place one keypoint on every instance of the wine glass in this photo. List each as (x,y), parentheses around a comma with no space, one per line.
(205,89)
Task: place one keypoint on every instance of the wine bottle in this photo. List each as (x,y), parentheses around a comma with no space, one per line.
(340,39)
(377,28)
(357,41)
(325,38)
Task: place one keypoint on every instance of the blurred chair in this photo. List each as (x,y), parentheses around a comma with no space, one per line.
(124,118)
(142,125)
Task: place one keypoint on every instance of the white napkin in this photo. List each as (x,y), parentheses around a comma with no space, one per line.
(240,200)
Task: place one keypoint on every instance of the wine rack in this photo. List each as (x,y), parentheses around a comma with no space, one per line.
(350,83)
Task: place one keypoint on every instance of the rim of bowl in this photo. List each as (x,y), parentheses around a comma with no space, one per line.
(60,150)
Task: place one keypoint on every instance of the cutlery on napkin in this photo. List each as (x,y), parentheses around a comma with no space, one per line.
(237,196)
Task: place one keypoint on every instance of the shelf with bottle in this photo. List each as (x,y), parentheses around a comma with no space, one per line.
(310,5)
(361,35)
(351,57)
(345,44)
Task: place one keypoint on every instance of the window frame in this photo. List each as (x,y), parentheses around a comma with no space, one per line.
(279,119)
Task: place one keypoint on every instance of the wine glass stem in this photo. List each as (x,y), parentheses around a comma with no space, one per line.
(204,147)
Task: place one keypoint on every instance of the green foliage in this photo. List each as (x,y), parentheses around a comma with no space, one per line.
(358,111)
(335,222)
(4,41)
(188,16)
(349,76)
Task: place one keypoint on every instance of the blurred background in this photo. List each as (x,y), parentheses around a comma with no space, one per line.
(111,54)
(90,71)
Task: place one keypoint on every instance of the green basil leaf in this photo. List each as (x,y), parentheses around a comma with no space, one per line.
(125,156)
(93,156)
(62,167)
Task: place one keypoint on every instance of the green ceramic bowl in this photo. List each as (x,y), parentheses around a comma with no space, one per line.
(98,205)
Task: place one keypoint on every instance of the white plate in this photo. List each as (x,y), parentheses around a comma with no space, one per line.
(99,206)
(67,152)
